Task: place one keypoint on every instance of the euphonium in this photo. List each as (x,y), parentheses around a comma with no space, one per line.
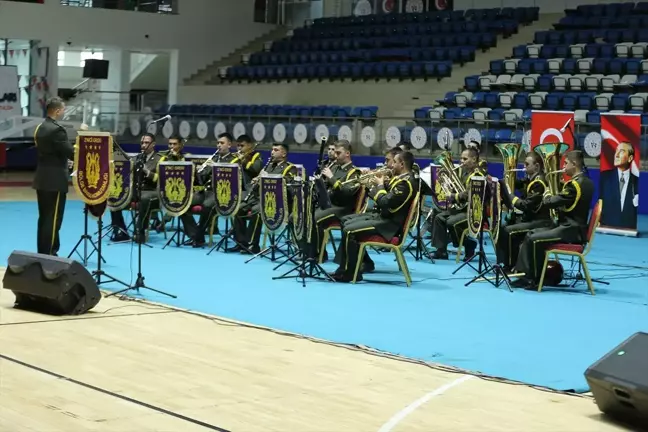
(510,154)
(551,155)
(444,160)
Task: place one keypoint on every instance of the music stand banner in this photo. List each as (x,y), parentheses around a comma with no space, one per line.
(476,205)
(553,127)
(92,177)
(439,198)
(297,213)
(175,186)
(121,190)
(619,178)
(228,188)
(273,201)
(495,216)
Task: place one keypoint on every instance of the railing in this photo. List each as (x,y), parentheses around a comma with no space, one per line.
(369,136)
(151,6)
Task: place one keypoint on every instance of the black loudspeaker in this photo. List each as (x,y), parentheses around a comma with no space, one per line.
(619,381)
(95,69)
(49,284)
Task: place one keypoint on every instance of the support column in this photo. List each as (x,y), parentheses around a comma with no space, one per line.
(174,77)
(115,91)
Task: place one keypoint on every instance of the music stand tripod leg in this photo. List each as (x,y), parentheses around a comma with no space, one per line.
(99,272)
(84,239)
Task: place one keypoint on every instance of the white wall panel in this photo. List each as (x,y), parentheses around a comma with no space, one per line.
(204,31)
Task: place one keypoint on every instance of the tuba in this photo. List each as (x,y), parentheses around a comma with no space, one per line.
(510,154)
(551,155)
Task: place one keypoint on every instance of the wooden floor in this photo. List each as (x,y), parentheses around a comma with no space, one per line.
(130,366)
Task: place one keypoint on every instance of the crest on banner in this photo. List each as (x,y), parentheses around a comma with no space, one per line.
(476,205)
(121,189)
(228,188)
(274,201)
(92,165)
(175,186)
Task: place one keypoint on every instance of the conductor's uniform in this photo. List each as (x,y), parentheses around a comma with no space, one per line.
(344,199)
(573,204)
(391,211)
(534,215)
(51,182)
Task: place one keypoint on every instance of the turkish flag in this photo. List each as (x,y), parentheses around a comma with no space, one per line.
(550,127)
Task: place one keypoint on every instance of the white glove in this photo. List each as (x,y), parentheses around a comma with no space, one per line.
(635,200)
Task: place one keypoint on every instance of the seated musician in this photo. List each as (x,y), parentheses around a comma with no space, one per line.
(483,163)
(248,223)
(149,185)
(392,208)
(452,221)
(204,194)
(572,205)
(343,196)
(534,214)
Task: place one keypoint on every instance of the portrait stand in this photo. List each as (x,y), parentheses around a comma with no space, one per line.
(85,239)
(308,266)
(139,282)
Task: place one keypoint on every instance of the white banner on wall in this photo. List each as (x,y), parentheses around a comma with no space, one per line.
(9,92)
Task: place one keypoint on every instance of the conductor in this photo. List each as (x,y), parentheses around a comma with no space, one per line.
(54,153)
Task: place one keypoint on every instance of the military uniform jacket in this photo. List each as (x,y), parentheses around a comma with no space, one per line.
(393,204)
(344,195)
(573,202)
(251,169)
(285,168)
(466,177)
(530,203)
(53,151)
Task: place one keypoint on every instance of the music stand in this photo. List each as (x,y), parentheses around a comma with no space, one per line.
(85,238)
(308,267)
(139,282)
(421,249)
(99,272)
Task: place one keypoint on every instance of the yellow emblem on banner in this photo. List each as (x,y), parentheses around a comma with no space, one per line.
(476,208)
(270,209)
(223,192)
(117,186)
(92,169)
(440,193)
(175,190)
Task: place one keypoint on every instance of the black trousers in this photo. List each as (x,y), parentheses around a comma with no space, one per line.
(149,200)
(324,218)
(248,224)
(354,227)
(117,220)
(511,237)
(536,243)
(448,227)
(51,206)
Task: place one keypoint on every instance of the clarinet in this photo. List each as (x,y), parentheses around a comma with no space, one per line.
(256,184)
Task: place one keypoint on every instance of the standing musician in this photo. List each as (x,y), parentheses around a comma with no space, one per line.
(456,222)
(247,223)
(149,184)
(392,205)
(534,214)
(204,194)
(573,205)
(52,176)
(343,197)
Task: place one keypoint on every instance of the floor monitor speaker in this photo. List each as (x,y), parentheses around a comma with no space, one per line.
(619,381)
(49,284)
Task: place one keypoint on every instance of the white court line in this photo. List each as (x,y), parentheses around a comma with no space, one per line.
(399,416)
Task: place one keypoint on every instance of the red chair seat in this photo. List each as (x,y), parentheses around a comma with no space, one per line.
(196,209)
(133,205)
(334,224)
(567,247)
(375,238)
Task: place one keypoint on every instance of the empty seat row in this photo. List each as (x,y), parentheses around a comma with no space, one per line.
(506,27)
(523,14)
(578,82)
(570,37)
(616,66)
(455,54)
(271,110)
(623,50)
(480,40)
(607,10)
(440,69)
(582,23)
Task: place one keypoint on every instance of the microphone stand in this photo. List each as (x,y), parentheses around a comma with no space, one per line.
(139,282)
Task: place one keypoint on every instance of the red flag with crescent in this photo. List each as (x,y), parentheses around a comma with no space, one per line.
(549,127)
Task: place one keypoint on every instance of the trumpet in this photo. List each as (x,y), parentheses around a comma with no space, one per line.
(557,172)
(516,170)
(368,176)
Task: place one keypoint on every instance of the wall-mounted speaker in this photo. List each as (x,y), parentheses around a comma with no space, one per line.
(49,284)
(619,381)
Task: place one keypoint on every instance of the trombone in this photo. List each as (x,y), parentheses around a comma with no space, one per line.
(239,156)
